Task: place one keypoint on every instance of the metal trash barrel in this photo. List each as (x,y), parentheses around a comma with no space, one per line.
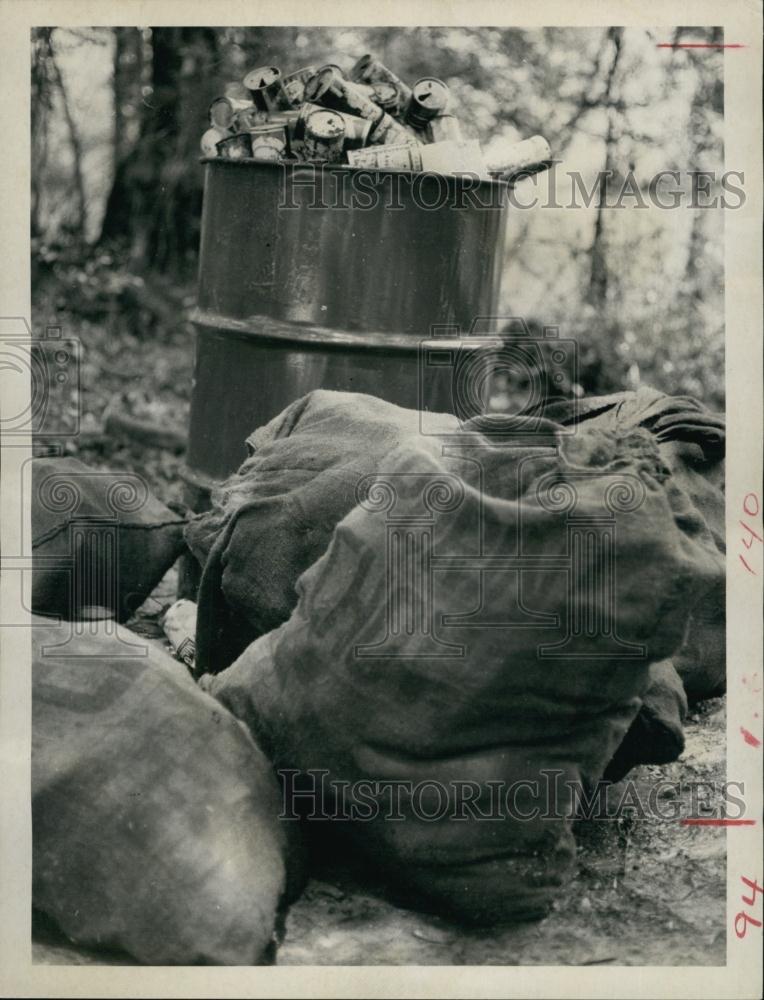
(328,277)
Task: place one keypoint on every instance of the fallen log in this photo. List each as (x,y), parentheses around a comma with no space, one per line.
(120,424)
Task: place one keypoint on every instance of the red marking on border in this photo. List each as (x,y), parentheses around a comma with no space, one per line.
(699,45)
(742,560)
(718,822)
(750,739)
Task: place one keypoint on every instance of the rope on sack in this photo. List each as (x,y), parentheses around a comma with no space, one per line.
(46,536)
(668,418)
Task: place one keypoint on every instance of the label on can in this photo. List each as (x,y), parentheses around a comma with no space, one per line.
(403,157)
(294,84)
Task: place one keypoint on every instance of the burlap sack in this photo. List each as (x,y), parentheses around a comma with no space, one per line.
(155,815)
(472,624)
(275,516)
(98,538)
(691,440)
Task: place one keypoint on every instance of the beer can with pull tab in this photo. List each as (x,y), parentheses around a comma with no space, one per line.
(429,98)
(266,89)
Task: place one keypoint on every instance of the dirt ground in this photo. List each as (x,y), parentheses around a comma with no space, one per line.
(647,891)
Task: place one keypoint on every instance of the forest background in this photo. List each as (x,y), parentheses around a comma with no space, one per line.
(116,118)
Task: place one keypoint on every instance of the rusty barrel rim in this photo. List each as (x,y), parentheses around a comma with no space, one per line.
(492,183)
(264,328)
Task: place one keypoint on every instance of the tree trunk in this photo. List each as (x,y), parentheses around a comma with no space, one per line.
(155,201)
(598,274)
(706,95)
(128,77)
(74,140)
(40,110)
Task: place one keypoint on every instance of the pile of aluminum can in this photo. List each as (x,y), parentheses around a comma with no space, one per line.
(366,118)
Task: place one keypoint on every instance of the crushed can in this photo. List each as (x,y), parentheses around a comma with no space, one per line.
(236,147)
(332,91)
(521,159)
(248,118)
(386,96)
(324,136)
(370,70)
(266,88)
(429,98)
(269,142)
(179,625)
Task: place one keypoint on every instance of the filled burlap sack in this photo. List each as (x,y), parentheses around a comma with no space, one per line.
(273,518)
(155,815)
(483,618)
(691,441)
(98,539)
